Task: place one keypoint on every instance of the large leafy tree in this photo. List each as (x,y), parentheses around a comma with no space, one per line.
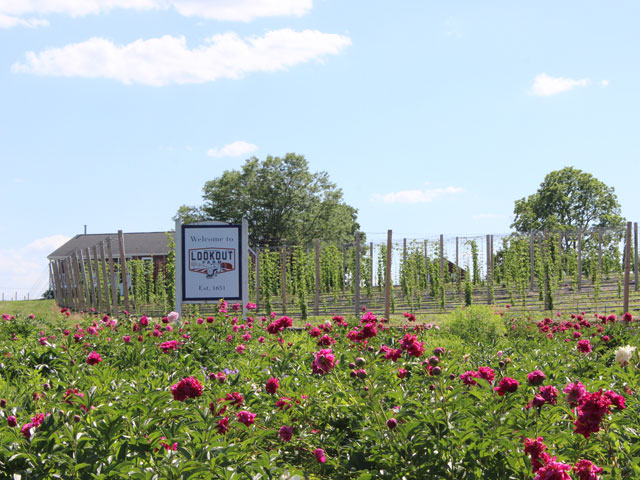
(282,200)
(568,199)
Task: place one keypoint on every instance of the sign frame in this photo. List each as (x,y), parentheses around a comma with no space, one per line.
(182,263)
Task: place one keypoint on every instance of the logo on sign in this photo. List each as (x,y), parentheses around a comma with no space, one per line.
(212,261)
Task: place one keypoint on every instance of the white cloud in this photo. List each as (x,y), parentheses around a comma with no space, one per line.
(241,10)
(604,83)
(168,60)
(8,21)
(25,270)
(415,196)
(545,86)
(231,10)
(235,149)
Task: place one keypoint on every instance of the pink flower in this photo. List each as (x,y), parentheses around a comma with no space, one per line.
(584,346)
(487,373)
(186,388)
(144,321)
(402,372)
(234,398)
(627,317)
(170,345)
(283,404)
(320,455)
(272,385)
(324,361)
(392,423)
(586,470)
(126,339)
(507,385)
(468,378)
(12,421)
(241,348)
(222,425)
(536,377)
(246,417)
(94,358)
(554,471)
(575,392)
(285,433)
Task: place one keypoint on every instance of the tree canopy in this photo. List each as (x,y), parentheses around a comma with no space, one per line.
(568,199)
(281,199)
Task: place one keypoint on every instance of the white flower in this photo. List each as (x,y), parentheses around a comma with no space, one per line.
(624,354)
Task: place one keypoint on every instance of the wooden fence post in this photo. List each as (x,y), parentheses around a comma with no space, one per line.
(488,250)
(257,279)
(57,279)
(442,258)
(372,267)
(83,273)
(123,271)
(283,266)
(316,301)
(387,280)
(92,281)
(579,258)
(600,251)
(532,261)
(635,256)
(105,279)
(71,285)
(627,267)
(97,276)
(357,274)
(112,276)
(79,285)
(457,261)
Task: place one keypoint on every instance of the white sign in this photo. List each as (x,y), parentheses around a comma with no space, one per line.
(212,259)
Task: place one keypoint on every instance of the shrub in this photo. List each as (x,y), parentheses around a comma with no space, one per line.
(476,324)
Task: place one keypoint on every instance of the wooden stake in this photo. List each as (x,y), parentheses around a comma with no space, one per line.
(113,277)
(79,285)
(442,258)
(283,265)
(257,279)
(357,279)
(96,272)
(316,302)
(83,275)
(627,267)
(532,261)
(105,279)
(579,258)
(635,256)
(371,272)
(92,281)
(123,271)
(387,283)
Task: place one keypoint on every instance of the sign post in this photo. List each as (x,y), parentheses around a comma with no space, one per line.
(212,260)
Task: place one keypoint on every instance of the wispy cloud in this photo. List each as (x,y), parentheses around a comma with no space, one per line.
(8,21)
(415,196)
(546,86)
(11,11)
(604,83)
(24,269)
(168,60)
(235,149)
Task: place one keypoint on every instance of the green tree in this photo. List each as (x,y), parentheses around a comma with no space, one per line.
(282,201)
(568,199)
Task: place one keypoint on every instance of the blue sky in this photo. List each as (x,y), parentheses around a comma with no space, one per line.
(433,117)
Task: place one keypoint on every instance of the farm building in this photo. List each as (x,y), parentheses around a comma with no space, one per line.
(151,246)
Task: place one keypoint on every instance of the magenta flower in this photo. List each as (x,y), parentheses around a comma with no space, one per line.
(487,373)
(536,377)
(246,417)
(272,385)
(586,470)
(575,392)
(320,455)
(554,471)
(94,358)
(507,385)
(584,346)
(324,362)
(392,423)
(222,425)
(186,388)
(285,433)
(12,421)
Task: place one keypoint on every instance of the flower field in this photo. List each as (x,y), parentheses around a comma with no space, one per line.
(482,395)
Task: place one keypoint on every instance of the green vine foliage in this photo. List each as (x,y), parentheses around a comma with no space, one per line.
(171,272)
(474,258)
